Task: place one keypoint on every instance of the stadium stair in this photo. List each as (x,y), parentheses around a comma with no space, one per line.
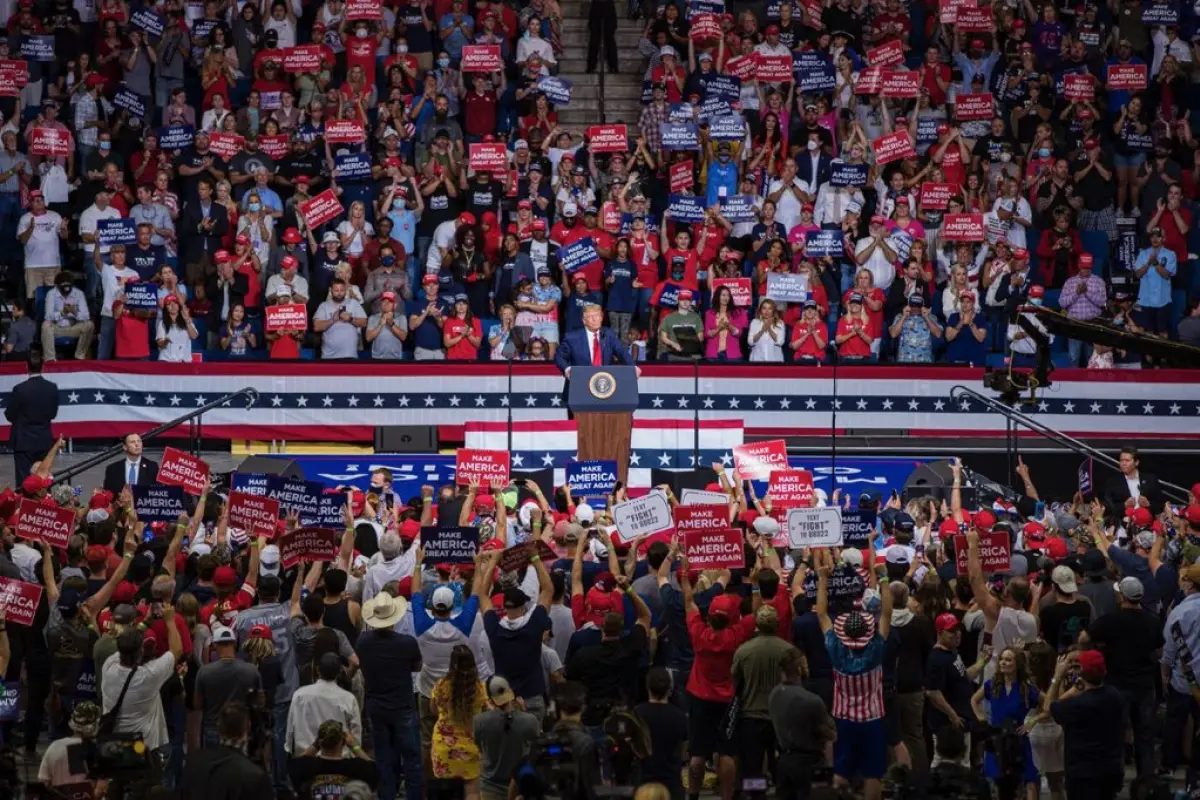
(622,92)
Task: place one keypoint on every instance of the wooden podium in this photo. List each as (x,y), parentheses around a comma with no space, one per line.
(603,400)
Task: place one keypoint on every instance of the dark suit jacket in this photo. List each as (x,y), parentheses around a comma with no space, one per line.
(31,408)
(804,169)
(115,477)
(1116,492)
(216,295)
(195,243)
(574,351)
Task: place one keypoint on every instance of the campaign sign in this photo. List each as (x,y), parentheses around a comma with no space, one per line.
(814,72)
(19,600)
(288,316)
(578,254)
(45,523)
(255,514)
(50,142)
(680,112)
(10,702)
(936,196)
(608,139)
(557,90)
(845,584)
(481,58)
(773,69)
(927,130)
(724,548)
(130,102)
(1160,14)
(702,497)
(295,495)
(275,146)
(302,58)
(962,227)
(308,544)
(893,147)
(1084,474)
(668,294)
(870,81)
(352,167)
(1080,88)
(486,466)
(226,145)
(14,75)
(701,518)
(727,128)
(972,19)
(843,174)
(1131,77)
(791,488)
(320,209)
(814,527)
(591,478)
(157,503)
(517,556)
(201,28)
(148,21)
(739,208)
(1139,141)
(973,106)
(726,87)
(175,137)
(364,9)
(487,157)
(183,469)
(900,83)
(449,545)
(901,243)
(141,296)
(740,288)
(888,54)
(994,553)
(858,527)
(344,131)
(697,7)
(679,136)
(787,287)
(249,483)
(714,107)
(704,28)
(681,176)
(38,48)
(122,230)
(742,67)
(820,243)
(757,460)
(643,516)
(686,208)
(948,11)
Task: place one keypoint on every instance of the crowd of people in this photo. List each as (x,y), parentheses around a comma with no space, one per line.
(897,191)
(970,648)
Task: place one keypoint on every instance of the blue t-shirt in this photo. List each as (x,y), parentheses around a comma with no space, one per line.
(575,305)
(620,291)
(965,348)
(518,651)
(428,336)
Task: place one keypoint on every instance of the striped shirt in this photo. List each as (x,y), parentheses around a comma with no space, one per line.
(857,679)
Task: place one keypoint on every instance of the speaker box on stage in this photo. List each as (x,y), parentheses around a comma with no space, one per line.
(936,479)
(678,481)
(406,439)
(263,465)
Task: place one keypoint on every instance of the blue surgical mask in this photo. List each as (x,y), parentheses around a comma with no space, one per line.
(443,62)
(398,205)
(1035,301)
(106,145)
(1044,152)
(255,206)
(387,261)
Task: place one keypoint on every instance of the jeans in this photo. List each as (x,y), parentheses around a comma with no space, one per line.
(619,322)
(757,737)
(1179,707)
(1143,710)
(1079,351)
(10,215)
(279,765)
(397,751)
(108,338)
(644,310)
(176,714)
(794,774)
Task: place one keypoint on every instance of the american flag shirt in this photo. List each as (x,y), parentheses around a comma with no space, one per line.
(857,679)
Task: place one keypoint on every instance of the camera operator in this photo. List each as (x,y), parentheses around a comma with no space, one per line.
(64,769)
(225,770)
(572,698)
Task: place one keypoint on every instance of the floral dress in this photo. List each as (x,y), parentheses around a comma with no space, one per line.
(454,752)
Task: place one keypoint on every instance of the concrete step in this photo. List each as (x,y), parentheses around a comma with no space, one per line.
(575,60)
(626,29)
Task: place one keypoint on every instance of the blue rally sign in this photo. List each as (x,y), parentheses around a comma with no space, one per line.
(591,478)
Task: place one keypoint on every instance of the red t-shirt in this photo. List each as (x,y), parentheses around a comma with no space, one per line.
(224,610)
(362,52)
(285,347)
(479,111)
(132,337)
(1175,239)
(464,350)
(711,677)
(854,346)
(253,284)
(660,75)
(647,268)
(809,347)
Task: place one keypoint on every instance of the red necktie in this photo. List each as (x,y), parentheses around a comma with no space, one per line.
(596,350)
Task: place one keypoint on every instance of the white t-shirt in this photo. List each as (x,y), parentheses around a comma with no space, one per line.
(443,239)
(141,711)
(357,243)
(787,209)
(285,29)
(89,221)
(766,349)
(56,765)
(42,248)
(179,344)
(110,280)
(879,265)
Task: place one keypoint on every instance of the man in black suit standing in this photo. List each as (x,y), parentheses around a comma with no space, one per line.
(133,470)
(1132,482)
(31,408)
(201,227)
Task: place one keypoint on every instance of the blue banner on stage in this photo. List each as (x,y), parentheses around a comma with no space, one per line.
(591,478)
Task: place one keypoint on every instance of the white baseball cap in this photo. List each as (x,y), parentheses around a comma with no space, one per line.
(443,598)
(268,560)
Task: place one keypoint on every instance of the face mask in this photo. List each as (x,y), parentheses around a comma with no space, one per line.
(387,261)
(398,204)
(66,289)
(402,48)
(1035,301)
(812,146)
(255,206)
(1005,157)
(105,145)
(443,62)
(362,34)
(724,158)
(1044,153)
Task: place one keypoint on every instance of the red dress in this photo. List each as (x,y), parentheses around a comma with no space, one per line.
(111,72)
(221,87)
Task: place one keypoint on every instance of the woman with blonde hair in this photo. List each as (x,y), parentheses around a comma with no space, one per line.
(456,699)
(767,333)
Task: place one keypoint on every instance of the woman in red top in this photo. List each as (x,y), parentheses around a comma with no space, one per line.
(462,333)
(951,153)
(215,76)
(810,336)
(774,261)
(108,56)
(854,331)
(873,299)
(132,331)
(543,118)
(935,76)
(768,146)
(644,255)
(246,262)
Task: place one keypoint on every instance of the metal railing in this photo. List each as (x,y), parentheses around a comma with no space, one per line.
(1173,491)
(193,418)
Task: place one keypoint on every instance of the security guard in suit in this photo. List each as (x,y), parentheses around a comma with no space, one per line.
(31,408)
(602,25)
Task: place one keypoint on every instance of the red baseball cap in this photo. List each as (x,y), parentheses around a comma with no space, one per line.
(1055,548)
(772,28)
(466,218)
(524,204)
(289,262)
(291,236)
(1020,254)
(1037,291)
(221,256)
(1141,517)
(984,520)
(1091,143)
(1092,662)
(1192,514)
(242,239)
(428,279)
(1086,260)
(410,529)
(977,43)
(539,224)
(946,622)
(224,577)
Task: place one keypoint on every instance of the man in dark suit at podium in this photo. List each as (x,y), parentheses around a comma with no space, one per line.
(133,470)
(594,346)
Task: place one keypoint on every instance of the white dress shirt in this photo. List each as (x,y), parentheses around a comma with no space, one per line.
(314,704)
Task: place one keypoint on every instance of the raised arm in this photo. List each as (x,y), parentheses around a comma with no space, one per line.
(100,599)
(545,585)
(986,601)
(821,608)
